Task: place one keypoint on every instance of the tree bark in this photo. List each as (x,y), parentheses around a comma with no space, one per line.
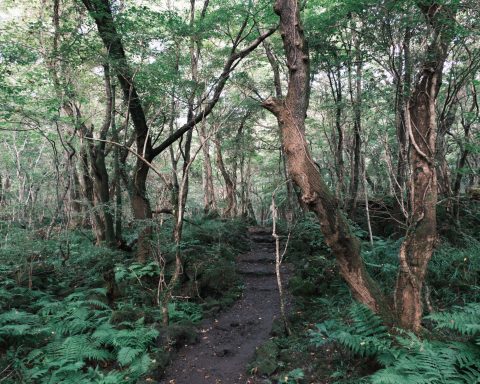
(116,194)
(443,171)
(357,128)
(417,247)
(209,202)
(290,113)
(403,79)
(99,167)
(335,81)
(474,112)
(229,185)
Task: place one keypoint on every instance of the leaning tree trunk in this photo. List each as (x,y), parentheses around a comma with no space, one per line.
(417,247)
(290,113)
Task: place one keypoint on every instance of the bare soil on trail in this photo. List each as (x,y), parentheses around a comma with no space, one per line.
(228,341)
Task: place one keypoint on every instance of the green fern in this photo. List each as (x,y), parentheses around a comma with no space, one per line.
(431,363)
(366,336)
(406,358)
(81,347)
(77,338)
(140,365)
(465,321)
(15,325)
(127,354)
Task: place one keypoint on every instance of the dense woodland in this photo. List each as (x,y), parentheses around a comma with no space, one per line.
(145,144)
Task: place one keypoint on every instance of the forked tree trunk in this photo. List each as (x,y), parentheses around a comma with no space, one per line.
(290,113)
(417,247)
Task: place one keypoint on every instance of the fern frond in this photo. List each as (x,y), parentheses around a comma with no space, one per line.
(126,355)
(80,347)
(19,317)
(366,323)
(104,334)
(141,365)
(366,336)
(464,320)
(431,363)
(137,338)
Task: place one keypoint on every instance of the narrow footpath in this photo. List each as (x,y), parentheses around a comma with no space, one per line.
(228,342)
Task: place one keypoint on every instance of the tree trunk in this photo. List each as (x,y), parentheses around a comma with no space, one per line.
(116,182)
(229,186)
(279,94)
(290,113)
(403,83)
(446,121)
(99,168)
(463,156)
(417,247)
(86,182)
(77,211)
(337,93)
(249,211)
(209,202)
(357,129)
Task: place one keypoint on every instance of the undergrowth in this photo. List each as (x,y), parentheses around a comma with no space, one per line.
(336,341)
(405,357)
(71,312)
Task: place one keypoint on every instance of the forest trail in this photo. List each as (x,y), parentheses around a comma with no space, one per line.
(228,342)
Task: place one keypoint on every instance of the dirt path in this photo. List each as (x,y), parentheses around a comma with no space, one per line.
(228,342)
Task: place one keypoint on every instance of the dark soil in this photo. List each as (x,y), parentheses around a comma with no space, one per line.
(228,342)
